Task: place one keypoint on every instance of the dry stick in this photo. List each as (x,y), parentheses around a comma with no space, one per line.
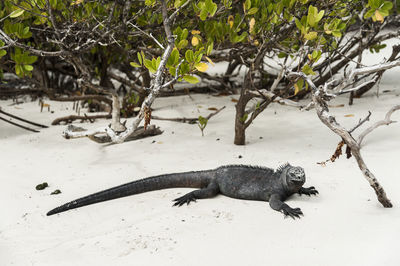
(18,125)
(320,98)
(71,118)
(23,120)
(362,121)
(187,120)
(386,121)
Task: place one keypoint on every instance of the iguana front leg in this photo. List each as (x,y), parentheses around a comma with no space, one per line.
(276,203)
(308,191)
(210,191)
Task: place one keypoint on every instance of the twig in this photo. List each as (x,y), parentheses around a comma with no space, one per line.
(18,125)
(191,120)
(386,121)
(23,120)
(361,122)
(149,35)
(275,98)
(70,118)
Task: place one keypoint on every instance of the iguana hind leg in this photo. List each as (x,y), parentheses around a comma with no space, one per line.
(208,192)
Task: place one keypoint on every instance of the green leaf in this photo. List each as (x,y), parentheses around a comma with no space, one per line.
(298,24)
(239,38)
(172,70)
(311,35)
(282,55)
(150,2)
(184,34)
(2,53)
(203,14)
(191,79)
(307,70)
(139,58)
(18,70)
(252,11)
(185,68)
(387,6)
(316,54)
(29,59)
(336,34)
(198,56)
(28,67)
(178,3)
(16,13)
(134,64)
(319,16)
(210,47)
(53,3)
(369,13)
(182,44)
(148,64)
(189,56)
(298,86)
(202,121)
(374,3)
(247,5)
(173,58)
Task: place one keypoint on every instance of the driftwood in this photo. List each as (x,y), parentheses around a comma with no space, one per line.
(71,118)
(139,133)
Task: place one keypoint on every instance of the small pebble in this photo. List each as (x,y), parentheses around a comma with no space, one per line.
(42,186)
(55,192)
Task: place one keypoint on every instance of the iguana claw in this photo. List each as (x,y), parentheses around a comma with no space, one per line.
(308,191)
(293,213)
(184,199)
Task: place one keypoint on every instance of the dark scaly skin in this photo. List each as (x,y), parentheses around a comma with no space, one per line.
(235,181)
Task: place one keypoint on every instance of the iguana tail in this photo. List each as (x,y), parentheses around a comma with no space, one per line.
(197,179)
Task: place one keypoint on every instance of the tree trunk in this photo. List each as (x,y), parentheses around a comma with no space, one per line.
(240,118)
(240,130)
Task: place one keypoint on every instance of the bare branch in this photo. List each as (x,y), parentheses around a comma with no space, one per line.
(173,15)
(187,120)
(18,125)
(386,121)
(320,99)
(21,119)
(361,122)
(147,34)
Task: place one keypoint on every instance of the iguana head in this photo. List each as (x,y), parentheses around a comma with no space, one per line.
(293,177)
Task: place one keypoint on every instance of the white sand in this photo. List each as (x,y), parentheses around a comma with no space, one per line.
(343,225)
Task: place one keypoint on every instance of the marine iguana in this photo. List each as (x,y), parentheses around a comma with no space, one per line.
(236,181)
